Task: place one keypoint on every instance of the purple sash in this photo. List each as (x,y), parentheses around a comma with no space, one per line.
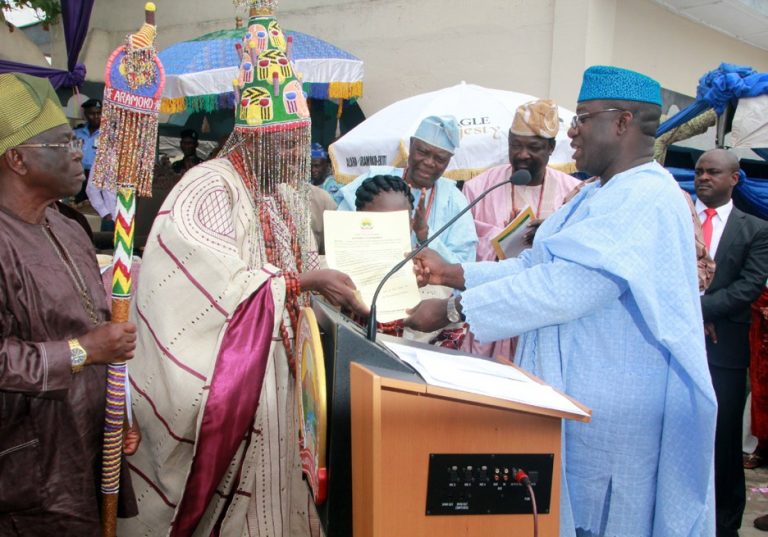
(229,411)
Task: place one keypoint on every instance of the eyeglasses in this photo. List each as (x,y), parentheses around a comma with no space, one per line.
(578,120)
(75,144)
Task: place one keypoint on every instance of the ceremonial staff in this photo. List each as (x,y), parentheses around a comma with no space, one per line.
(124,163)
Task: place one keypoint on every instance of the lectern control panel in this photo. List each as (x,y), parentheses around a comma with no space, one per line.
(484,484)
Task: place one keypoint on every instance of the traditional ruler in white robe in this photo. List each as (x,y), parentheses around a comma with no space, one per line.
(204,259)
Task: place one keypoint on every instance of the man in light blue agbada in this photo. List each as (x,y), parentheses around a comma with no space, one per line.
(606,304)
(437,199)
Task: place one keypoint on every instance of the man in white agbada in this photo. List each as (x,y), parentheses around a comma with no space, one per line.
(606,304)
(221,286)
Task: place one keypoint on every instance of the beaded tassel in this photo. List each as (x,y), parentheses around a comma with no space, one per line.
(130,159)
(256,4)
(270,159)
(287,198)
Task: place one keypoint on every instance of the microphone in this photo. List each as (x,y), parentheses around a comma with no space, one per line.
(520,177)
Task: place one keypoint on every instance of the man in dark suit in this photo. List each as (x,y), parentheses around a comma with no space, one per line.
(738,242)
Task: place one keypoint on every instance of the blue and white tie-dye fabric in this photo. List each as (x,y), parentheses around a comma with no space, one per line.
(607,306)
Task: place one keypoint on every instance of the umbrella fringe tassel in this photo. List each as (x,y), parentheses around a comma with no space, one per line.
(173,106)
(214,101)
(345,90)
(203,103)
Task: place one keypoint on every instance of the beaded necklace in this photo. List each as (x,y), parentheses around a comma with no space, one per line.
(74,273)
(538,206)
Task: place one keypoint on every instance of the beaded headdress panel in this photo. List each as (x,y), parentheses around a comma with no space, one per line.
(272,122)
(134,81)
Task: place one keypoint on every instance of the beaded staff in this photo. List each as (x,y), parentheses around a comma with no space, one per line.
(124,163)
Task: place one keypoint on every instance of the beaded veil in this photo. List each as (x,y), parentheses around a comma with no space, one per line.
(270,149)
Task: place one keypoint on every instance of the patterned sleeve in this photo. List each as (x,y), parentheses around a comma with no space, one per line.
(546,294)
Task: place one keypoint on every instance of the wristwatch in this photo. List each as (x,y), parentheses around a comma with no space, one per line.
(452,311)
(77,355)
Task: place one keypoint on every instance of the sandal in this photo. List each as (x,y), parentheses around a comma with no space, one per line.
(752,461)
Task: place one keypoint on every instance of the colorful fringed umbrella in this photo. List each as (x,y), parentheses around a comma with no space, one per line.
(199,72)
(134,80)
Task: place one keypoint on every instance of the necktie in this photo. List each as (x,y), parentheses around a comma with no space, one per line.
(706,227)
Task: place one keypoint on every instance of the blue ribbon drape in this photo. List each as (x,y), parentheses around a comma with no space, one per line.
(727,83)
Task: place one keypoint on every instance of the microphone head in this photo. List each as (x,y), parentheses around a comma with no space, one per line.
(521,177)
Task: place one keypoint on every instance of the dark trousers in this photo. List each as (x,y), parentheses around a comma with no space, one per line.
(107,225)
(730,488)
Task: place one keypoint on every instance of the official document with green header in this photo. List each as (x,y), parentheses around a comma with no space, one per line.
(366,245)
(511,241)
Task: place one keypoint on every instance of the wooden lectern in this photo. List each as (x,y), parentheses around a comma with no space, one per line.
(406,458)
(343,341)
(423,455)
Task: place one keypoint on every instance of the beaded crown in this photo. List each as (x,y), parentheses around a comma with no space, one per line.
(272,127)
(267,89)
(263,5)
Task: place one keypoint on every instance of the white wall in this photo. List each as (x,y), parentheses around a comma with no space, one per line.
(112,20)
(17,47)
(582,35)
(410,47)
(673,49)
(539,47)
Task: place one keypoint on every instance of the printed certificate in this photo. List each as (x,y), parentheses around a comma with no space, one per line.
(365,246)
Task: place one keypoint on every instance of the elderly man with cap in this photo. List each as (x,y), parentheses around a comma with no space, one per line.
(55,340)
(437,199)
(88,132)
(606,304)
(531,142)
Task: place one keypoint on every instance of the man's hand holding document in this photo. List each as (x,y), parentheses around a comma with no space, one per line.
(365,246)
(511,241)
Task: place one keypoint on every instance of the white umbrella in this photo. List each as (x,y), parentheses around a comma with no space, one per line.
(484,116)
(750,123)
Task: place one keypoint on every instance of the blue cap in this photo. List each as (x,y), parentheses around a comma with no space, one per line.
(439,131)
(603,82)
(318,151)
